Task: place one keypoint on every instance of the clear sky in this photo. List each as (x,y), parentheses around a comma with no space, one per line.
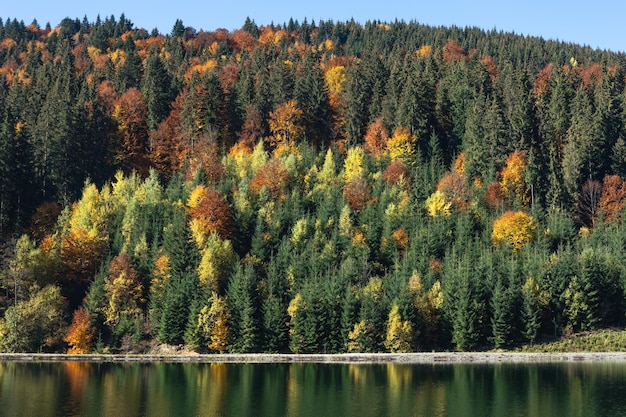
(599,23)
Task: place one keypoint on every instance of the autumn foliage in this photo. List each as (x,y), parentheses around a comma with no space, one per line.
(454,188)
(512,178)
(514,229)
(80,336)
(210,213)
(130,113)
(376,138)
(396,173)
(271,176)
(613,197)
(286,125)
(124,290)
(357,193)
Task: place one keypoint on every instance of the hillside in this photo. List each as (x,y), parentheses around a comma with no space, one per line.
(307,187)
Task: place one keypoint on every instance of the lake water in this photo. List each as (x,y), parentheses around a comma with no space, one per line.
(175,389)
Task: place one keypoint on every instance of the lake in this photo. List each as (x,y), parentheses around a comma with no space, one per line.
(219,389)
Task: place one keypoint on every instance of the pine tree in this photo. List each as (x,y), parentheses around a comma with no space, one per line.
(156,89)
(242,303)
(181,288)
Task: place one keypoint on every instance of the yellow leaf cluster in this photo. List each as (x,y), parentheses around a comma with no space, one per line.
(213,321)
(353,164)
(216,263)
(424,50)
(437,206)
(286,124)
(512,177)
(402,146)
(335,78)
(514,228)
(399,332)
(118,57)
(201,69)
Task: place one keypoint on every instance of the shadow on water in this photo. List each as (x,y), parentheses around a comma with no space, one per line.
(219,389)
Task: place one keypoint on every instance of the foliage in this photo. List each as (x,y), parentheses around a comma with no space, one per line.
(514,229)
(399,333)
(80,336)
(310,187)
(36,324)
(210,213)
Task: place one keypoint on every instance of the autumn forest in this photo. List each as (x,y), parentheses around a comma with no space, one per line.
(306,187)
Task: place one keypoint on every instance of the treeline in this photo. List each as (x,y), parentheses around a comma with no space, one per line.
(306,187)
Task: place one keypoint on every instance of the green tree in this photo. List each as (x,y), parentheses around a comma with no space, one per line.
(243,306)
(156,89)
(36,324)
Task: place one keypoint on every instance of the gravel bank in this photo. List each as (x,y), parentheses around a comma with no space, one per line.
(408,358)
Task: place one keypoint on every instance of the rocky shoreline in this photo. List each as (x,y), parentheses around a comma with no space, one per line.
(364,358)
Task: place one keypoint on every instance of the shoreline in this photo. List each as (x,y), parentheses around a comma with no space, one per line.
(443,358)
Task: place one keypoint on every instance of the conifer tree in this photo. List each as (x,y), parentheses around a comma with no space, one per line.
(242,303)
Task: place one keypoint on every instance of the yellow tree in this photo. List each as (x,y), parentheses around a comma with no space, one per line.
(335,77)
(124,291)
(213,322)
(514,229)
(286,126)
(353,164)
(437,206)
(399,332)
(218,259)
(512,182)
(402,146)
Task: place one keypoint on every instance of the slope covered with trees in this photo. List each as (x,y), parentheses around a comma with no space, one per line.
(306,187)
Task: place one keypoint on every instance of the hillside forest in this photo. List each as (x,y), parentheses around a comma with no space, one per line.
(306,187)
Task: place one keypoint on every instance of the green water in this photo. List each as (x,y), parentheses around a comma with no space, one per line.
(168,389)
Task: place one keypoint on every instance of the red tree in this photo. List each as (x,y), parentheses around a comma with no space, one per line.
(272,176)
(357,193)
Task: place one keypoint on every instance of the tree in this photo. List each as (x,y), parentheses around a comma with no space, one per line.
(213,323)
(399,333)
(588,202)
(501,315)
(242,304)
(209,213)
(453,187)
(402,145)
(376,138)
(181,286)
(534,301)
(130,114)
(216,264)
(437,206)
(36,324)
(514,229)
(512,179)
(286,126)
(613,198)
(124,292)
(357,192)
(271,176)
(80,336)
(156,89)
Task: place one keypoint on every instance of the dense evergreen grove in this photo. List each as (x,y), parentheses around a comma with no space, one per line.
(306,187)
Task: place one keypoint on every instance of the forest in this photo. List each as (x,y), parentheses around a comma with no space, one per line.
(306,187)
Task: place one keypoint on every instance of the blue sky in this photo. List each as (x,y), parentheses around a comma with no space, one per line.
(598,24)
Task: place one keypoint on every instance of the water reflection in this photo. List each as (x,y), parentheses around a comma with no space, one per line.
(167,389)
